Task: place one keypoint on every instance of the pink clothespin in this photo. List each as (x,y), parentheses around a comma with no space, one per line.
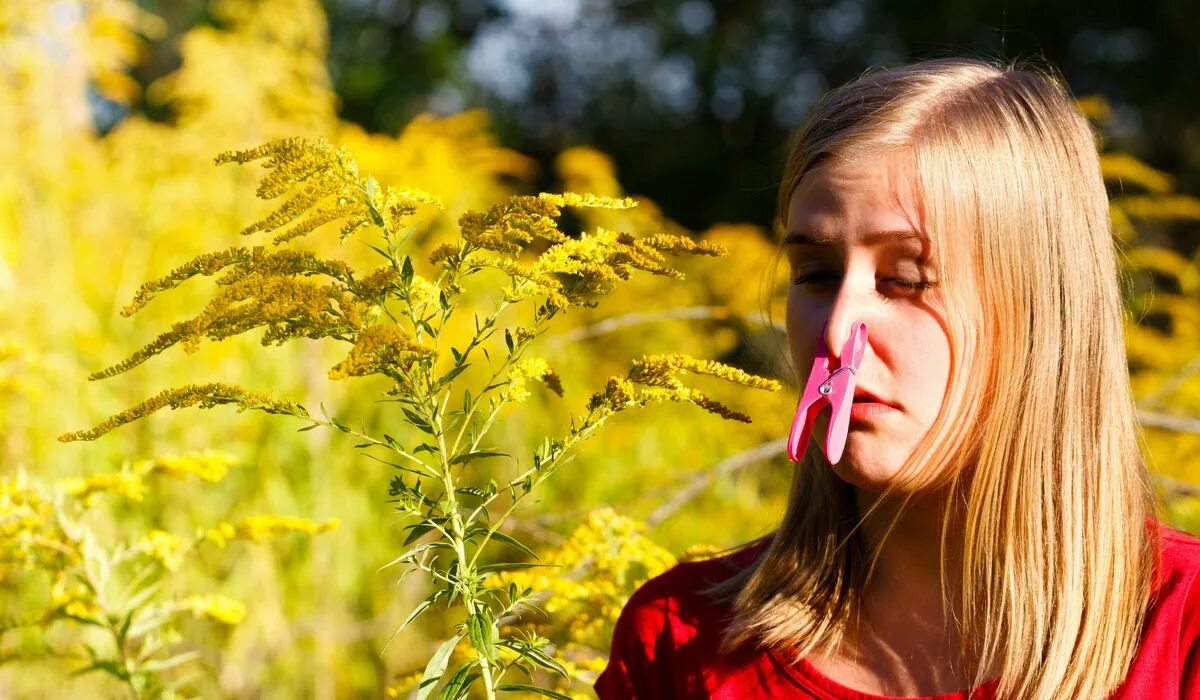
(834,387)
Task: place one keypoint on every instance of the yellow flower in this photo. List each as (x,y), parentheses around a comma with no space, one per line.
(534,368)
(655,374)
(209,465)
(215,607)
(257,528)
(167,548)
(124,484)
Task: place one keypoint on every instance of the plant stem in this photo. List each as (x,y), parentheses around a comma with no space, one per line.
(465,565)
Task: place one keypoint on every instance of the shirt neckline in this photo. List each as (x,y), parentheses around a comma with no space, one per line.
(807,675)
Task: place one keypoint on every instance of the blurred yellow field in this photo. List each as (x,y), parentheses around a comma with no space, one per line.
(252,542)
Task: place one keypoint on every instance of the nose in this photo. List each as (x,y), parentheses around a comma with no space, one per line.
(839,326)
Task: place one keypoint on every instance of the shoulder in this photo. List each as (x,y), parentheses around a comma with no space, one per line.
(1171,637)
(678,597)
(669,631)
(1178,565)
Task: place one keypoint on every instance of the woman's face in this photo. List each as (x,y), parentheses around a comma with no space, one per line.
(854,255)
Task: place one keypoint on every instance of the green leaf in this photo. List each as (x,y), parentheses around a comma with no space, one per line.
(482,629)
(406,271)
(124,631)
(476,455)
(422,607)
(534,689)
(415,532)
(417,421)
(109,666)
(307,428)
(379,250)
(141,597)
(436,667)
(460,683)
(413,553)
(158,666)
(449,376)
(508,340)
(534,654)
(544,660)
(508,539)
(508,566)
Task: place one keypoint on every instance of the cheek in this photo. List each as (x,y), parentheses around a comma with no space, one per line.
(802,331)
(927,360)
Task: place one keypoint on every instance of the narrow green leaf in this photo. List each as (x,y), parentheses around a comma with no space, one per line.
(121,633)
(476,455)
(379,250)
(546,692)
(406,271)
(158,666)
(449,376)
(460,683)
(436,667)
(508,539)
(415,532)
(507,566)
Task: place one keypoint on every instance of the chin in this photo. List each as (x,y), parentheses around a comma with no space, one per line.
(873,478)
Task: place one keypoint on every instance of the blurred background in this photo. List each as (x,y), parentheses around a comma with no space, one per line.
(111,112)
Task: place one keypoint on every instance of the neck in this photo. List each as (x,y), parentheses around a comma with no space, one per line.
(903,613)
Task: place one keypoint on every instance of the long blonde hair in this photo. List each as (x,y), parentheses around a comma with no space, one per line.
(1037,439)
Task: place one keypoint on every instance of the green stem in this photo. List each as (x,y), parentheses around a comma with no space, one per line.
(465,566)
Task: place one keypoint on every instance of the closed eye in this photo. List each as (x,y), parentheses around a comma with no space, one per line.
(813,278)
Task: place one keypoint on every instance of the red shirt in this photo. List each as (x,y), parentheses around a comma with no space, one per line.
(665,642)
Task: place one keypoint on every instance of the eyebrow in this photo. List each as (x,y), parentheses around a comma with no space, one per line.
(811,239)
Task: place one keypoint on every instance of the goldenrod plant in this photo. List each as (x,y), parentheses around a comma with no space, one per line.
(121,592)
(457,504)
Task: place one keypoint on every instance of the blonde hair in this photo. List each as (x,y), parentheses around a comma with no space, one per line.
(1036,443)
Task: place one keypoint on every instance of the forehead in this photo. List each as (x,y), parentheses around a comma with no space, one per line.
(864,201)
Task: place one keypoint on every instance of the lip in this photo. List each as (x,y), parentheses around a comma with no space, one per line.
(864,396)
(869,410)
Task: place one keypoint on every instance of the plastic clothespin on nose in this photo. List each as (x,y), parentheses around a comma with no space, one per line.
(834,387)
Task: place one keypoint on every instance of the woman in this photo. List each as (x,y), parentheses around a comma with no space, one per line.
(986,530)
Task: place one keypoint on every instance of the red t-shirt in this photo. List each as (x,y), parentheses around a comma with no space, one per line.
(666,639)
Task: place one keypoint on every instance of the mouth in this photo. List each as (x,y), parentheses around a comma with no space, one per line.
(863,396)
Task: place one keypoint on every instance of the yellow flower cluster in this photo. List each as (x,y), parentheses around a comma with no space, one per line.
(405,683)
(535,368)
(209,465)
(244,263)
(655,375)
(201,395)
(124,484)
(329,189)
(214,607)
(166,547)
(257,528)
(29,536)
(590,578)
(381,348)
